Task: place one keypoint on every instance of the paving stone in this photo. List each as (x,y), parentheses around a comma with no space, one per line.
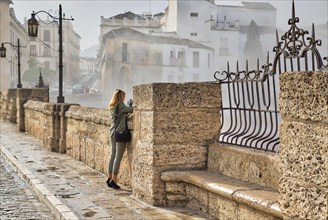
(17,201)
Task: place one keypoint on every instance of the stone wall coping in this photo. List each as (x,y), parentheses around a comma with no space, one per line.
(89,114)
(44,107)
(258,197)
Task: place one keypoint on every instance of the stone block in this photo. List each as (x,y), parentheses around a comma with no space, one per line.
(99,157)
(187,126)
(147,184)
(198,199)
(143,153)
(107,149)
(176,188)
(180,155)
(302,200)
(304,95)
(124,177)
(246,213)
(90,152)
(247,164)
(176,200)
(146,123)
(174,96)
(304,151)
(222,208)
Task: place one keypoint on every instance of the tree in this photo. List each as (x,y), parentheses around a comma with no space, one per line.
(32,74)
(253,47)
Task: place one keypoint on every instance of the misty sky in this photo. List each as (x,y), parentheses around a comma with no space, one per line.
(87,13)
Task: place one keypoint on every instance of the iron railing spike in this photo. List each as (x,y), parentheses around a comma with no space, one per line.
(246,65)
(313,32)
(293,10)
(268,59)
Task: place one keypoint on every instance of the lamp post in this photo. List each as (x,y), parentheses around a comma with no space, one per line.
(33,32)
(3,54)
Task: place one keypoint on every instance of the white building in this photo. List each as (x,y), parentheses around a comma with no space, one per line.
(221,27)
(129,57)
(145,23)
(88,66)
(11,31)
(45,48)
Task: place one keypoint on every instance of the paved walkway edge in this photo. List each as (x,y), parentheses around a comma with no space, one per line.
(59,209)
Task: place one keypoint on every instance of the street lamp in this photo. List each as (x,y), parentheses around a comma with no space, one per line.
(3,54)
(33,32)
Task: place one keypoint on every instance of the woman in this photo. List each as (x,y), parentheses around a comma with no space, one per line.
(117,147)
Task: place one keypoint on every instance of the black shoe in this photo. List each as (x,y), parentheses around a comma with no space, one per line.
(113,185)
(108,183)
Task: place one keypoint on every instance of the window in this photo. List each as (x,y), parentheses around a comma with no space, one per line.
(223,49)
(46,51)
(46,35)
(193,34)
(193,14)
(124,52)
(181,57)
(172,53)
(196,59)
(33,50)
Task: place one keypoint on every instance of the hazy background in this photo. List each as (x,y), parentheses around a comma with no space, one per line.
(87,13)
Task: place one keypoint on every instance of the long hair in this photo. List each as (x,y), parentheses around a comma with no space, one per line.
(117,97)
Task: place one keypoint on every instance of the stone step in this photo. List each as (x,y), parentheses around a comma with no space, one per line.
(219,196)
(247,164)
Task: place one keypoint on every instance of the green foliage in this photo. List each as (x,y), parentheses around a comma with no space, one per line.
(32,74)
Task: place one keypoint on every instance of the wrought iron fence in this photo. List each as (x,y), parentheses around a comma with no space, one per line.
(250,113)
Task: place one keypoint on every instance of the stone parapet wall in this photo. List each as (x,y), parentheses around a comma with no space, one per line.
(41,119)
(23,95)
(8,108)
(174,123)
(87,140)
(304,145)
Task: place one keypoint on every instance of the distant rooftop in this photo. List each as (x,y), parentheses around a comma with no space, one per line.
(133,34)
(129,15)
(258,5)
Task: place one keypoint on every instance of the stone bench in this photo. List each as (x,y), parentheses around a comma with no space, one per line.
(220,197)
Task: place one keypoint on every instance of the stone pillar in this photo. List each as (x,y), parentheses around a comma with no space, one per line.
(39,94)
(173,125)
(304,145)
(62,127)
(8,106)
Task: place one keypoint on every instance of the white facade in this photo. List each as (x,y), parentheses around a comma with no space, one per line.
(88,66)
(129,58)
(219,26)
(145,23)
(46,45)
(11,31)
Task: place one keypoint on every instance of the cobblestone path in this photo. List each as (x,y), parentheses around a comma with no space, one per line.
(17,200)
